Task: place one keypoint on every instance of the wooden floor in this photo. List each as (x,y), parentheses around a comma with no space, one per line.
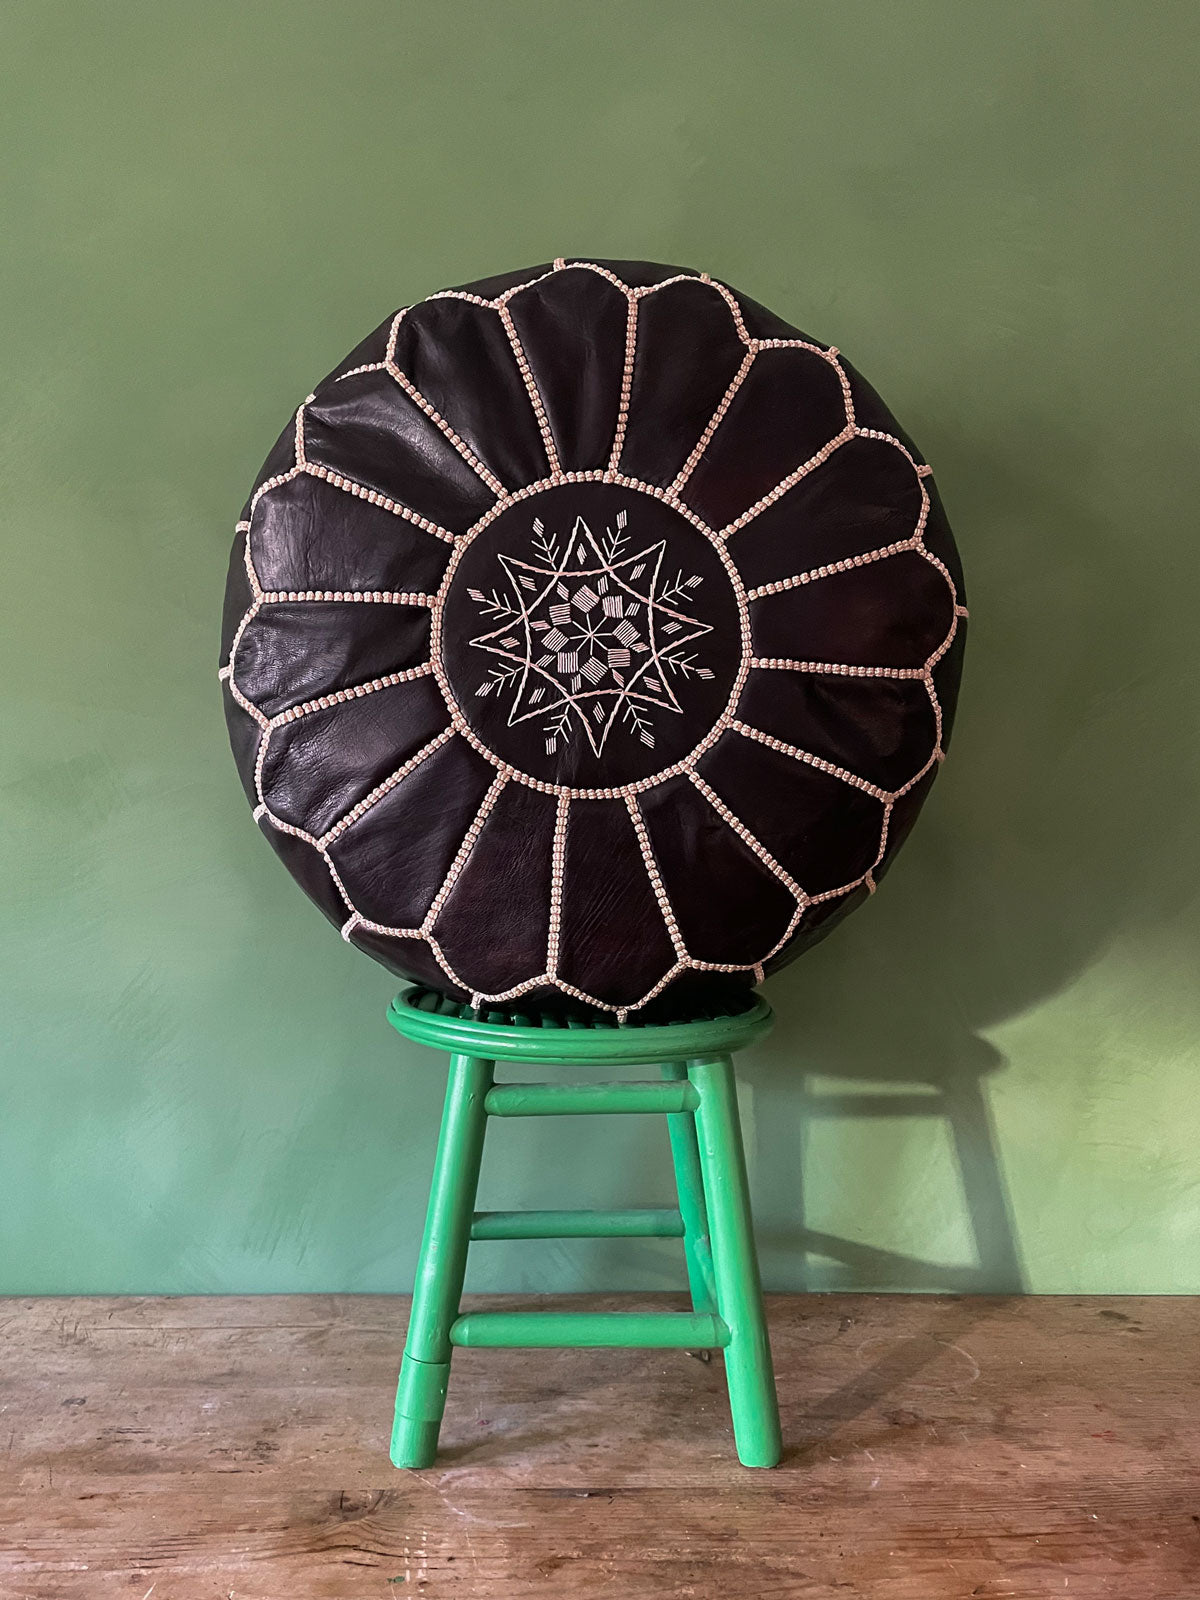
(236,1449)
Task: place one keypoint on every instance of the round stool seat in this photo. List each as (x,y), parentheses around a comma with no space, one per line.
(592,640)
(429,1017)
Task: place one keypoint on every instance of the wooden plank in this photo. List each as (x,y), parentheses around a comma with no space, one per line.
(935,1447)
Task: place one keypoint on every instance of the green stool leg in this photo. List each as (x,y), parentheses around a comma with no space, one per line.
(748,1368)
(425,1371)
(697,1249)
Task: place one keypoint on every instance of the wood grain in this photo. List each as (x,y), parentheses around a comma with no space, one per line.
(996,1449)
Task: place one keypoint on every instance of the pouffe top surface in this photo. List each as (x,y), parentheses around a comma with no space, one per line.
(592,638)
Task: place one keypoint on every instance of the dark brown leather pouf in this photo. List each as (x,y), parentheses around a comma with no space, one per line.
(592,639)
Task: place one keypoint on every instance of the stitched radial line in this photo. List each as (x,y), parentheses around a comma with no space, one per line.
(531,390)
(656,882)
(464,850)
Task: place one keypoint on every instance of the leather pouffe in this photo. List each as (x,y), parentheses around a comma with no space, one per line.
(592,639)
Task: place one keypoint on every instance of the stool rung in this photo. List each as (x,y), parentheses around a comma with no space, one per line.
(563,1099)
(577,1225)
(574,1330)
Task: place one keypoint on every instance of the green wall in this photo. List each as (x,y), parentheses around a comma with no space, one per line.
(991,1076)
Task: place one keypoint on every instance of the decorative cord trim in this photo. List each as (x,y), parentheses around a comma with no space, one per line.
(656,883)
(836,668)
(852,778)
(373,497)
(380,789)
(782,585)
(384,597)
(792,479)
(464,850)
(558,867)
(355,692)
(714,422)
(531,389)
(750,840)
(631,328)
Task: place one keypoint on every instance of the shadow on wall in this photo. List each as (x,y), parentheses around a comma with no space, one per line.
(1061,823)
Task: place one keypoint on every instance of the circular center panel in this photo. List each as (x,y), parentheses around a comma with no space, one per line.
(590,635)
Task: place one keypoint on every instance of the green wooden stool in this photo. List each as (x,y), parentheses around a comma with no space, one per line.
(699,1100)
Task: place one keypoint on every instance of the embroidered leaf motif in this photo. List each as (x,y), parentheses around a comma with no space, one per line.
(592,656)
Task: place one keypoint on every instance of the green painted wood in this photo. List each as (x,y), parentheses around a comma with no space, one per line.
(748,1367)
(437,1290)
(700,1104)
(689,1185)
(578,1225)
(577,1330)
(587,1099)
(429,1018)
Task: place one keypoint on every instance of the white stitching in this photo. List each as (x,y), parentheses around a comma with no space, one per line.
(354,692)
(380,789)
(714,422)
(467,844)
(531,389)
(749,839)
(836,668)
(631,328)
(656,883)
(348,486)
(460,721)
(383,597)
(782,585)
(792,479)
(558,858)
(811,760)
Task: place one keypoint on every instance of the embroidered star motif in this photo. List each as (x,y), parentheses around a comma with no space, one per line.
(590,638)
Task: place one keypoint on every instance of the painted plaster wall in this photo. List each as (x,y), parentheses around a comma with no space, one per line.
(989,1077)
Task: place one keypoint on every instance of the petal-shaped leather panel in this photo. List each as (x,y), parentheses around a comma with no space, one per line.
(319,766)
(686,355)
(410,958)
(817,922)
(864,497)
(294,651)
(309,535)
(600,671)
(606,893)
(394,858)
(510,863)
(310,870)
(459,356)
(573,333)
(893,613)
(820,829)
(788,407)
(881,728)
(367,429)
(735,909)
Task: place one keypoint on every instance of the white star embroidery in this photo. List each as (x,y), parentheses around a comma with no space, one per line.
(592,638)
